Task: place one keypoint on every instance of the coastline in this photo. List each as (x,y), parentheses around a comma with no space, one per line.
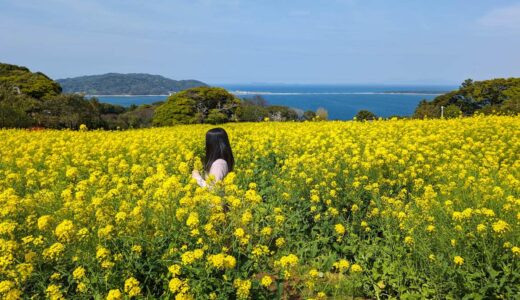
(289,93)
(334,93)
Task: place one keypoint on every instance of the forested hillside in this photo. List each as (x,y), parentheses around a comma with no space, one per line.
(126,84)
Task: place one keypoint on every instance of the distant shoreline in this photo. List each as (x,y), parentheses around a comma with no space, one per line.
(415,93)
(244,93)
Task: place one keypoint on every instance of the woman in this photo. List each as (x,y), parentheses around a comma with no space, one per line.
(219,158)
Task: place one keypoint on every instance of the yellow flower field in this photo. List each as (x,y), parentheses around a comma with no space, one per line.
(321,210)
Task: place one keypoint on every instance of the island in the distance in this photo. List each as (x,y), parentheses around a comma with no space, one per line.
(416,92)
(126,84)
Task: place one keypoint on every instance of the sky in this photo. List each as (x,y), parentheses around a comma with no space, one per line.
(267,41)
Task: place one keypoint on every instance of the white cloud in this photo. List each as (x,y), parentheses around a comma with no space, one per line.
(502,18)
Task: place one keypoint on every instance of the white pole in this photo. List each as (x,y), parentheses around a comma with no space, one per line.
(442,112)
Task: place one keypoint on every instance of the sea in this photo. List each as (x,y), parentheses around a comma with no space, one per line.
(341,101)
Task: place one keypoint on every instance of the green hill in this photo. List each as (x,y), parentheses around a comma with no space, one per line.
(126,84)
(31,99)
(23,81)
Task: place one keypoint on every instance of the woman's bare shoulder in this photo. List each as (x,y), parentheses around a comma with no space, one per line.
(220,161)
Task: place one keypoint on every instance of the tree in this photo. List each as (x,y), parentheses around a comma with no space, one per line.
(468,82)
(511,106)
(67,111)
(309,115)
(486,96)
(252,110)
(194,106)
(139,117)
(322,113)
(426,109)
(365,115)
(215,116)
(15,108)
(452,111)
(281,113)
(177,110)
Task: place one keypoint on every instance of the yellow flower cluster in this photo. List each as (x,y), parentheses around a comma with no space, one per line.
(459,261)
(341,265)
(132,287)
(287,261)
(242,286)
(340,229)
(266,280)
(189,257)
(116,214)
(222,261)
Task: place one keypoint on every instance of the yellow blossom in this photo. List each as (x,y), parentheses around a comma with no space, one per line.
(287,261)
(114,295)
(280,242)
(459,261)
(266,280)
(175,270)
(53,292)
(132,287)
(500,227)
(341,265)
(355,268)
(242,288)
(239,232)
(54,252)
(79,273)
(340,229)
(266,231)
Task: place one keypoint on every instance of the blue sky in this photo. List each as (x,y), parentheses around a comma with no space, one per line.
(268,41)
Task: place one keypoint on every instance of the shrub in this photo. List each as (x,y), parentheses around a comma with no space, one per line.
(322,114)
(194,105)
(365,115)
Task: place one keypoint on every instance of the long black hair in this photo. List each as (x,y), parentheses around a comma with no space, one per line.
(217,146)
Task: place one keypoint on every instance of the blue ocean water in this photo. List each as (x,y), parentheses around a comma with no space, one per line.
(341,101)
(129,100)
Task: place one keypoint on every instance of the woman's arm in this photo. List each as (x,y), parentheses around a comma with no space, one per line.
(195,174)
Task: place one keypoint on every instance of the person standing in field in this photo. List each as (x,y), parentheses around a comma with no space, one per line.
(219,159)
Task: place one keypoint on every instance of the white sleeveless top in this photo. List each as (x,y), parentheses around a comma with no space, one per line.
(218,169)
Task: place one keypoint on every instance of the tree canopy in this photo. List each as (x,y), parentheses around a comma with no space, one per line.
(501,95)
(365,115)
(197,105)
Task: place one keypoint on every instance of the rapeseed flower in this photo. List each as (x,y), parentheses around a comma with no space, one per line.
(355,268)
(459,261)
(132,287)
(243,287)
(127,198)
(114,294)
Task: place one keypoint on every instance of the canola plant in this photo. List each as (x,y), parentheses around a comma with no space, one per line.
(313,210)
